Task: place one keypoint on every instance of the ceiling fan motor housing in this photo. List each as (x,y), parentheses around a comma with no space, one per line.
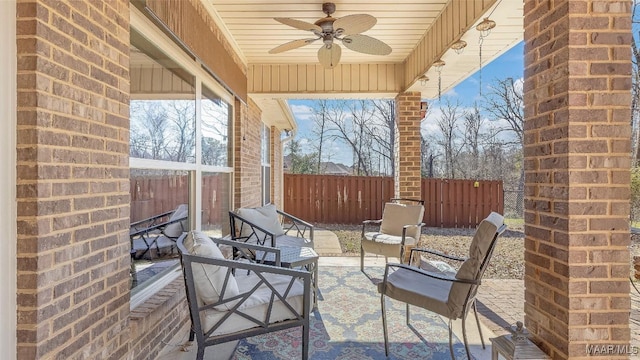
(326,24)
(328,8)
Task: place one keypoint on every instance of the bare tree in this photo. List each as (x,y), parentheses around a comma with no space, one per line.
(428,156)
(215,131)
(149,124)
(182,115)
(320,115)
(349,128)
(382,132)
(450,137)
(473,122)
(505,102)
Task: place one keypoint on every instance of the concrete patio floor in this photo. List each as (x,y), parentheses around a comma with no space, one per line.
(176,351)
(500,305)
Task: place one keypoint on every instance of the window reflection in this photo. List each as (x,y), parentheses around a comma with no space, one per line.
(215,203)
(159,215)
(163,107)
(216,132)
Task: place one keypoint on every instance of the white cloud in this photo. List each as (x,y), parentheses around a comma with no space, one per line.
(452,92)
(302,112)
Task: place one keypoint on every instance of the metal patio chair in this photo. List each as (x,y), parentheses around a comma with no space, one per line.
(400,226)
(230,300)
(447,293)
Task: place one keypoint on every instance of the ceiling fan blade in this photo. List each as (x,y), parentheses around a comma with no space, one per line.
(329,57)
(299,24)
(291,45)
(366,44)
(354,24)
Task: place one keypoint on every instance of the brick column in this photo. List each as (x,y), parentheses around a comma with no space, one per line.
(407,146)
(577,145)
(73,180)
(247,154)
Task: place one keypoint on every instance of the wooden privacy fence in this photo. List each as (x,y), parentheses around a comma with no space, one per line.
(333,199)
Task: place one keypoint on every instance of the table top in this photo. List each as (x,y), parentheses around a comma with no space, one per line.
(290,256)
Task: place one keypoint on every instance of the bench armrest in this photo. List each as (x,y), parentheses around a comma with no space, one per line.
(301,228)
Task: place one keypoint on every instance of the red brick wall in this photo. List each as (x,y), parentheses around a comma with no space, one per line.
(407,175)
(577,144)
(247,152)
(72,186)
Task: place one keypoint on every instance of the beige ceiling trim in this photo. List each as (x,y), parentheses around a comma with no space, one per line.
(455,20)
(301,79)
(275,112)
(224,30)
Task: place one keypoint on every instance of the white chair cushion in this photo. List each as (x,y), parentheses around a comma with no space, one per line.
(174,230)
(209,279)
(437,266)
(395,216)
(287,240)
(388,239)
(419,290)
(470,268)
(265,217)
(257,305)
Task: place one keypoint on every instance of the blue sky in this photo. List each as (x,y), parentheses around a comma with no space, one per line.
(509,64)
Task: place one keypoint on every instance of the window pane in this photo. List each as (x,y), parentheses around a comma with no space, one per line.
(266,185)
(266,144)
(159,215)
(216,203)
(216,130)
(163,104)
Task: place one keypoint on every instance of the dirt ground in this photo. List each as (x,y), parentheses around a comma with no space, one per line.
(508,257)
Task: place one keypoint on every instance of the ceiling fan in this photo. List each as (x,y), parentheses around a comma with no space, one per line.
(347,29)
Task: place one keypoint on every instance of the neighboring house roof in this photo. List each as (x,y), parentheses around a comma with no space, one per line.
(328,167)
(335,169)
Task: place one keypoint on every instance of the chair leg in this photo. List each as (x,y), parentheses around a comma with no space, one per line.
(407,314)
(200,354)
(305,341)
(384,326)
(451,341)
(475,312)
(361,259)
(464,336)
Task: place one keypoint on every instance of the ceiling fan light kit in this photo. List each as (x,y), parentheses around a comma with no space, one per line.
(346,29)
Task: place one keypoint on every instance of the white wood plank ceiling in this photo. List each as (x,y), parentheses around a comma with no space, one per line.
(402,24)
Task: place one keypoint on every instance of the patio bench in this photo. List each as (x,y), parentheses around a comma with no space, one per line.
(268,226)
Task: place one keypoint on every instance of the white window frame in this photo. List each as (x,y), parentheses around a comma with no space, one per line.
(265,163)
(151,32)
